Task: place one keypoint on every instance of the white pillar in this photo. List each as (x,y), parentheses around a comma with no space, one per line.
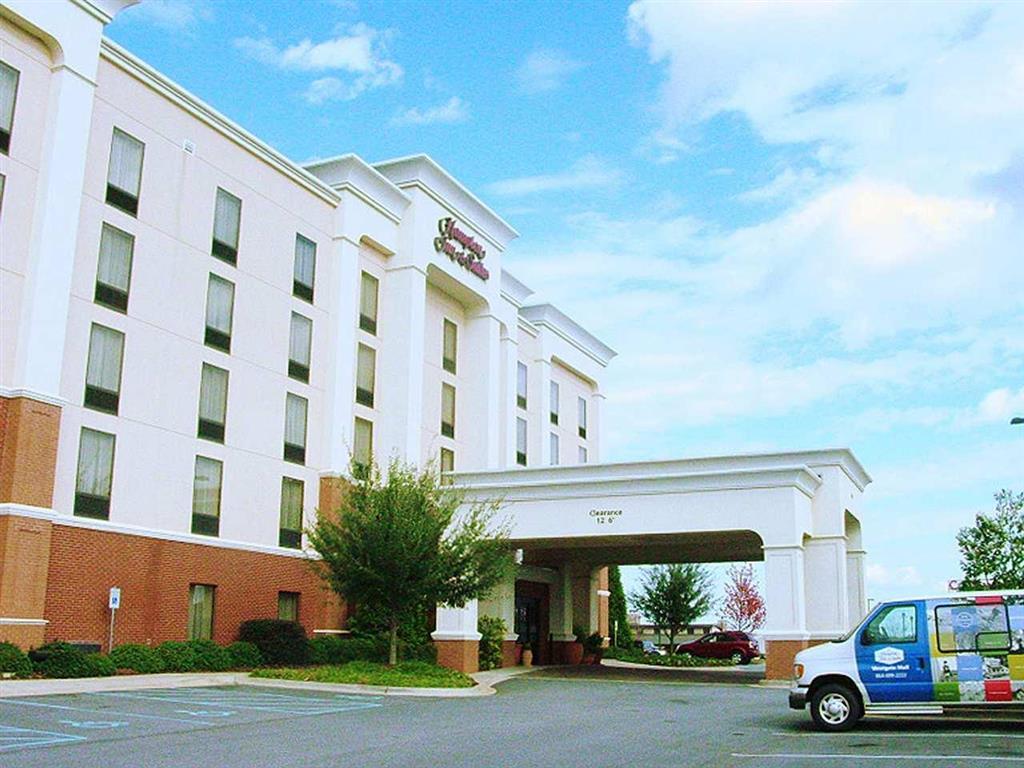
(540,407)
(344,287)
(480,403)
(501,604)
(457,623)
(561,606)
(856,596)
(784,593)
(402,317)
(825,585)
(596,406)
(508,410)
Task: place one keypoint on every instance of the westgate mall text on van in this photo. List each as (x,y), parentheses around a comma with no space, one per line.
(918,656)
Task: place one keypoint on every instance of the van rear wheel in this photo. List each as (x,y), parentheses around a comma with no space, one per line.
(835,707)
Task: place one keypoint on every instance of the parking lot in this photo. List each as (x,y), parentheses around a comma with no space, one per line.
(532,721)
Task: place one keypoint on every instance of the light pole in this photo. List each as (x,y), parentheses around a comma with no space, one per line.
(1016,420)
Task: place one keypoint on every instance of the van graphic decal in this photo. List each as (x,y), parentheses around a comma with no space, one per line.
(889,656)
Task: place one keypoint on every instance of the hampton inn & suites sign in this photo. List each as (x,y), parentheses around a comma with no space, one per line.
(460,247)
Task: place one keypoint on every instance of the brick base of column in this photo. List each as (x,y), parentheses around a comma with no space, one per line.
(460,655)
(780,655)
(567,652)
(508,653)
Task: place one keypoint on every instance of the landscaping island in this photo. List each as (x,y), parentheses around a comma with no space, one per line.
(406,674)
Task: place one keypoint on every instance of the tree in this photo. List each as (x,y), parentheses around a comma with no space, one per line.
(992,550)
(743,607)
(617,609)
(673,596)
(402,542)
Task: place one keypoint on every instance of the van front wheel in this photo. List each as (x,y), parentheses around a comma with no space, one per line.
(835,707)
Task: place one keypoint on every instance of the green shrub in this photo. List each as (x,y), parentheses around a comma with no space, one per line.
(335,650)
(244,655)
(100,665)
(210,657)
(14,661)
(177,656)
(492,634)
(64,660)
(138,658)
(280,642)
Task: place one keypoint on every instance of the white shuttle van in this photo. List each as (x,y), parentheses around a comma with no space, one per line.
(919,656)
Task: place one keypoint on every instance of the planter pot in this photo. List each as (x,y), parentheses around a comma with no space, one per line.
(527,657)
(574,653)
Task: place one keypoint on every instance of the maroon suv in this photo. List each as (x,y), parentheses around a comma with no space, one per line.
(738,646)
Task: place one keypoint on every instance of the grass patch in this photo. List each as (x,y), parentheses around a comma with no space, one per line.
(407,674)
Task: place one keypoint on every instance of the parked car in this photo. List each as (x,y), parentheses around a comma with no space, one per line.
(738,646)
(649,648)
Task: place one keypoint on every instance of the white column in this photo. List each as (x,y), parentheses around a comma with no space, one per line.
(825,585)
(540,407)
(784,593)
(856,596)
(400,380)
(480,395)
(596,406)
(508,410)
(344,290)
(561,606)
(501,604)
(457,623)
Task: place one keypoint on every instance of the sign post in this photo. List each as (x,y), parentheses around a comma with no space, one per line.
(113,604)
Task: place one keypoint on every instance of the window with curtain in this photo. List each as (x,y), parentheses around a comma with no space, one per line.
(583,455)
(521,385)
(521,442)
(8,95)
(95,474)
(299,347)
(295,429)
(213,403)
(304,275)
(220,306)
(368,303)
(200,611)
(103,369)
(288,606)
(554,402)
(366,372)
(227,217)
(114,268)
(447,460)
(124,173)
(206,485)
(362,444)
(554,449)
(450,346)
(581,416)
(448,410)
(290,526)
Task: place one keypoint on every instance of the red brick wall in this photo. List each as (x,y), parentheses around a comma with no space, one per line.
(154,576)
(28,450)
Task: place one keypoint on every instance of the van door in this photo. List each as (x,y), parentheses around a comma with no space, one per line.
(893,655)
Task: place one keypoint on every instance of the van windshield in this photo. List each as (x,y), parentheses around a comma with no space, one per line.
(855,627)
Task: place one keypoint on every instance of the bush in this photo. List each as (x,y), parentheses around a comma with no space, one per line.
(280,642)
(210,657)
(678,660)
(492,630)
(244,655)
(177,656)
(64,660)
(138,658)
(14,661)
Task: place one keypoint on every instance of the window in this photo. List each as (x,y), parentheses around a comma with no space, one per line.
(299,346)
(581,416)
(295,429)
(521,385)
(582,456)
(8,95)
(368,303)
(213,403)
(95,474)
(227,217)
(220,305)
(554,449)
(362,448)
(973,628)
(366,365)
(124,174)
(448,410)
(290,530)
(304,275)
(288,606)
(521,442)
(103,369)
(3,183)
(200,611)
(450,346)
(206,486)
(114,270)
(554,402)
(895,624)
(447,460)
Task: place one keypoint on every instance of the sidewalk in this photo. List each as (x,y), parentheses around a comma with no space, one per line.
(11,688)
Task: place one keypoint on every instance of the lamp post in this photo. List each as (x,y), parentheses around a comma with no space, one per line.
(1016,420)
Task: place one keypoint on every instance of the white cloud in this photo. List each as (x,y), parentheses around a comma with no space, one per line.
(878,575)
(545,71)
(361,54)
(1001,405)
(589,172)
(455,110)
(172,15)
(783,187)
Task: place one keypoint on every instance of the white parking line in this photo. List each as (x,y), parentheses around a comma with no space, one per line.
(859,757)
(19,703)
(276,703)
(890,735)
(27,738)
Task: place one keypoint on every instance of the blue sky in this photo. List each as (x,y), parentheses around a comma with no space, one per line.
(798,223)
